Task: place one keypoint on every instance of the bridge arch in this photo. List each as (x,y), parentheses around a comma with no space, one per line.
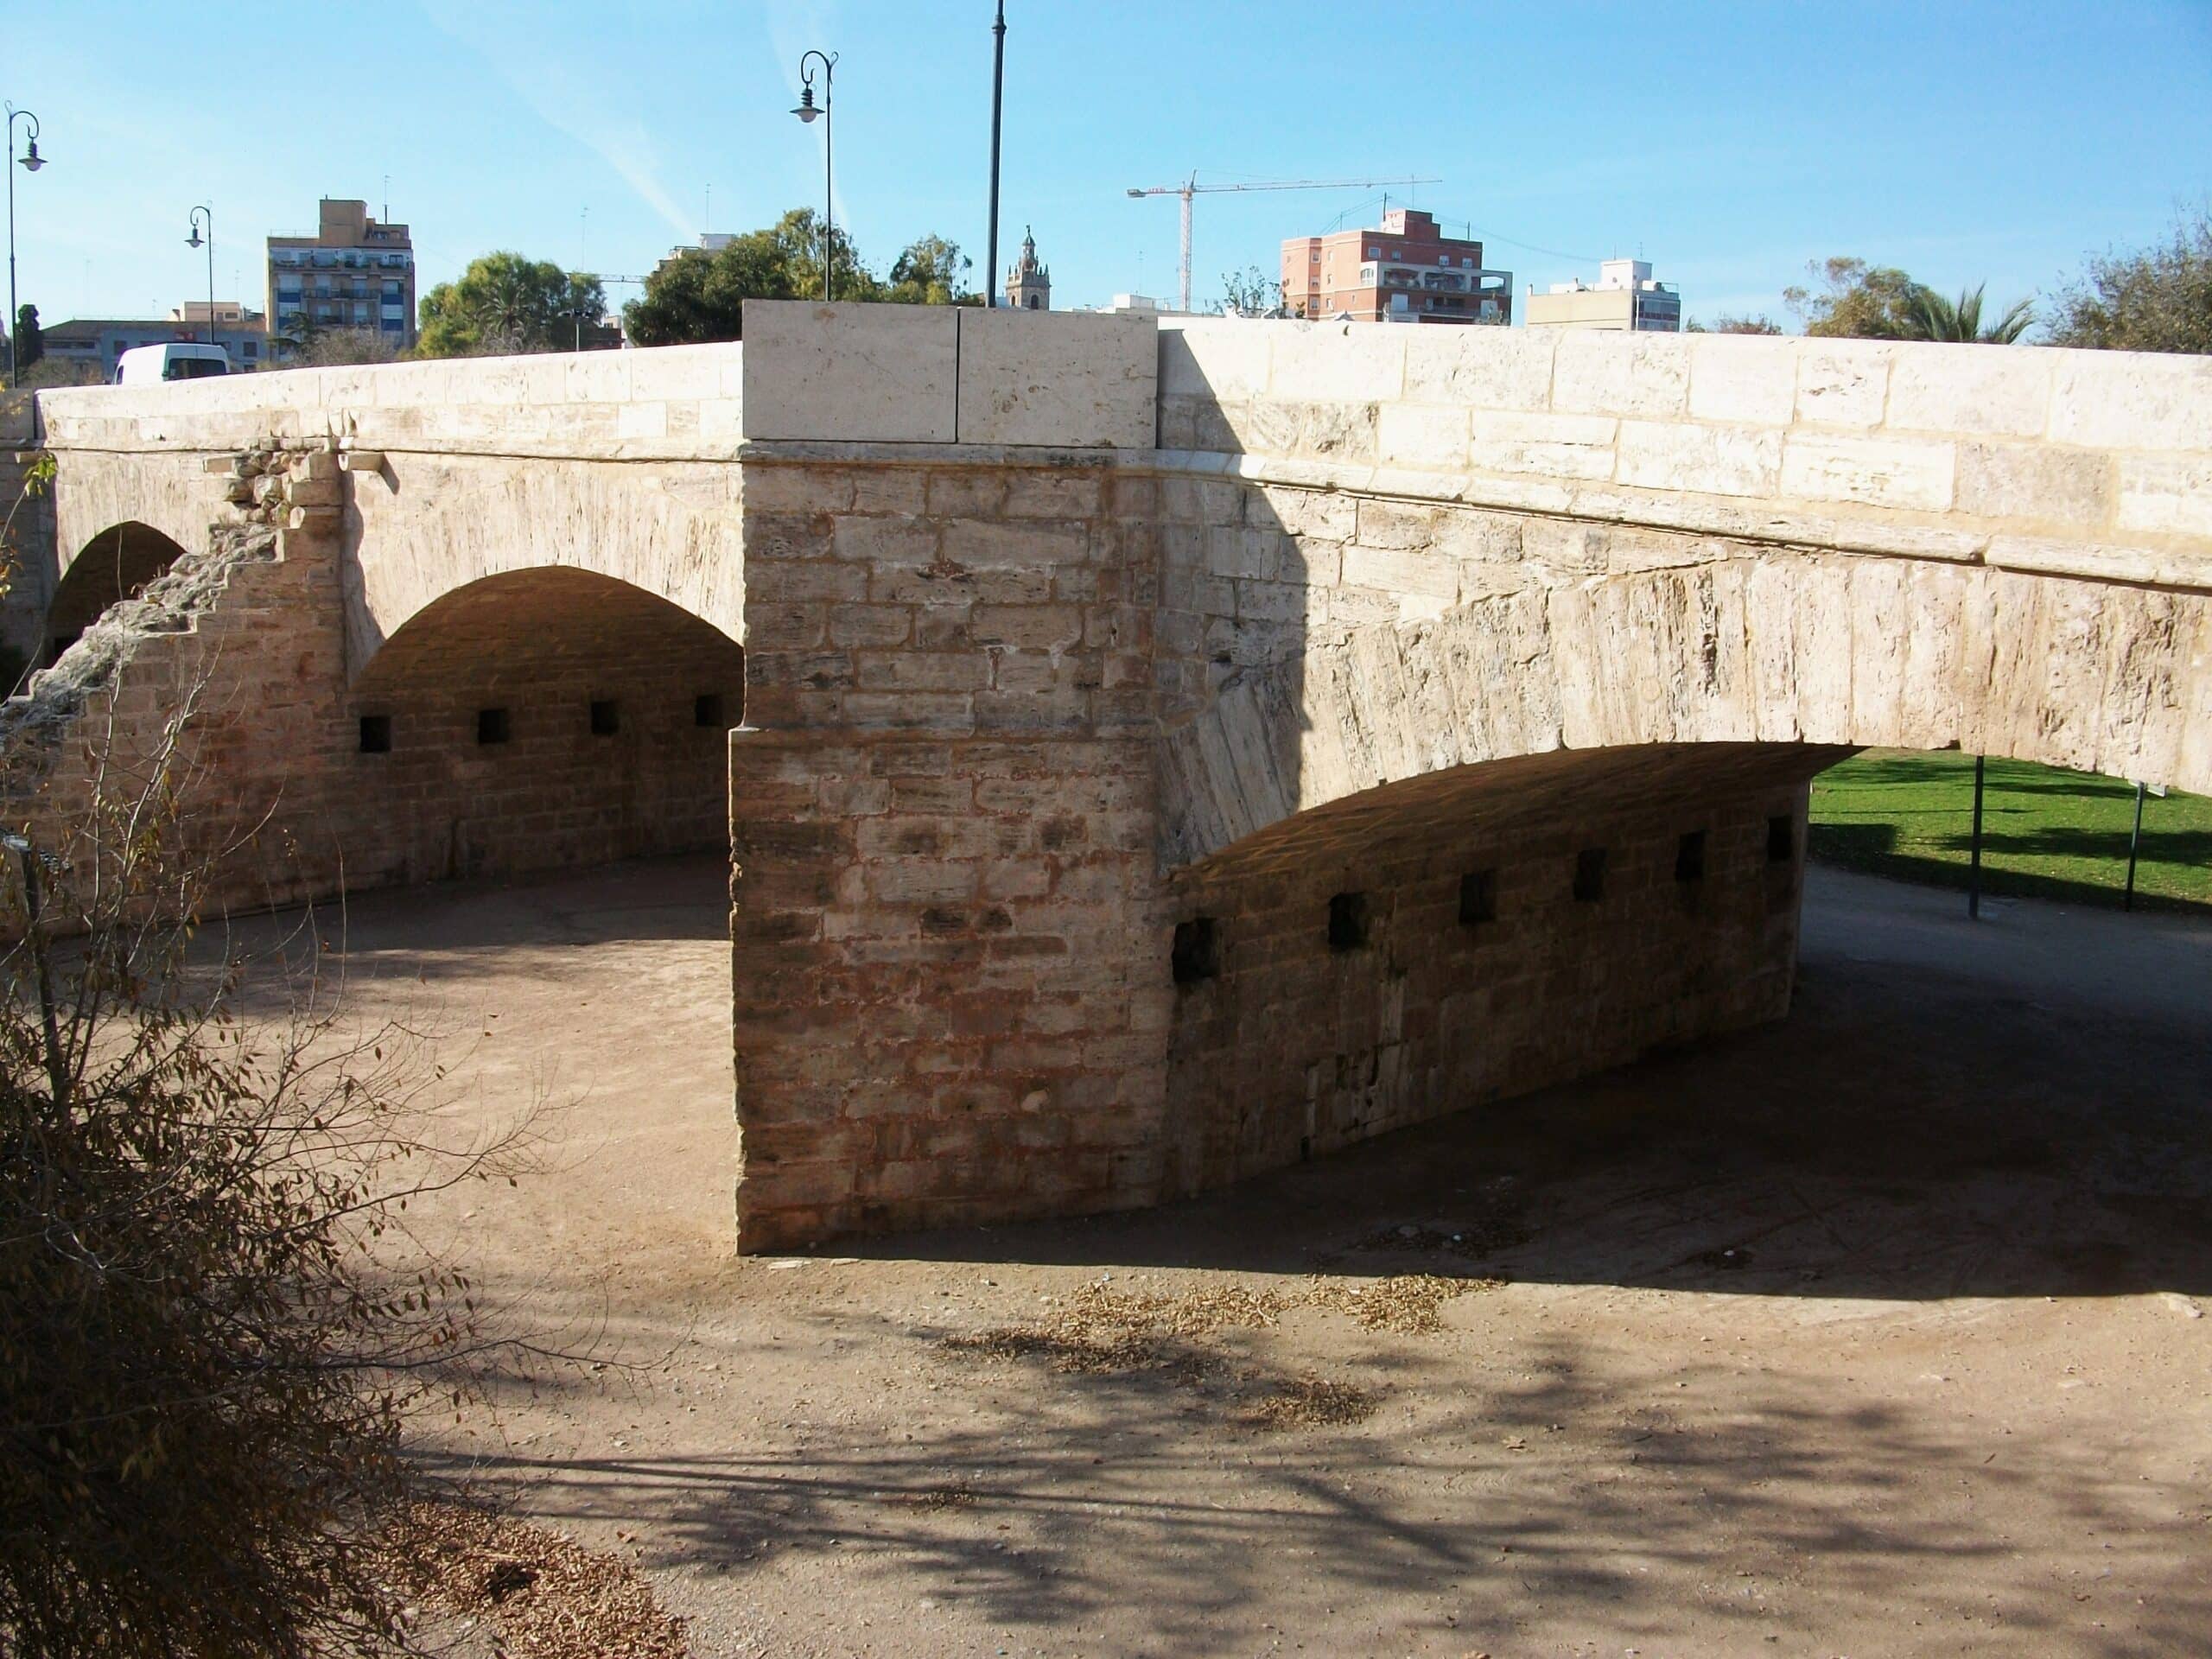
(423,528)
(1426,865)
(118,563)
(1791,649)
(543,719)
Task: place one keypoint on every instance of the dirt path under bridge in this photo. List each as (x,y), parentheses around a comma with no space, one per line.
(1876,1332)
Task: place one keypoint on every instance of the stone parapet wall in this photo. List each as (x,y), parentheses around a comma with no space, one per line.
(2097,464)
(672,403)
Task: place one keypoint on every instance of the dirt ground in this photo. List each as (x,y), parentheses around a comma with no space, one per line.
(1878,1332)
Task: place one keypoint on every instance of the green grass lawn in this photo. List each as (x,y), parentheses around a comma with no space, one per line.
(2046,834)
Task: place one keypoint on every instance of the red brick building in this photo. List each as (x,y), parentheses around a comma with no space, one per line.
(1406,271)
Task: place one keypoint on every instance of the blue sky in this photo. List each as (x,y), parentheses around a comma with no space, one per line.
(1729,144)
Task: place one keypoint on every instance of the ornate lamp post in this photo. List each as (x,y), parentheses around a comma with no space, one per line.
(998,85)
(208,242)
(807,112)
(32,161)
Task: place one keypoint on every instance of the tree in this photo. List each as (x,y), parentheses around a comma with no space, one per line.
(1853,300)
(931,272)
(53,371)
(28,344)
(2155,299)
(700,295)
(505,303)
(1251,293)
(1928,316)
(1727,323)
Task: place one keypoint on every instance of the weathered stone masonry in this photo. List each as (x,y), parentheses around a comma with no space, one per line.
(1167,757)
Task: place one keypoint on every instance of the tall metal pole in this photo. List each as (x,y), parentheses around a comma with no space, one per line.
(15,308)
(806,112)
(998,88)
(1974,854)
(197,240)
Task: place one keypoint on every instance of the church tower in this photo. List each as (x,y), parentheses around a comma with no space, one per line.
(1028,284)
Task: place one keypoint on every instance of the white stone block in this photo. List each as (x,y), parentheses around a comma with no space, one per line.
(1970,389)
(1879,472)
(2131,400)
(1224,359)
(1336,362)
(1608,373)
(1481,367)
(862,373)
(1745,378)
(1082,379)
(1704,459)
(1556,446)
(679,373)
(1843,382)
(636,421)
(1421,435)
(2166,493)
(598,377)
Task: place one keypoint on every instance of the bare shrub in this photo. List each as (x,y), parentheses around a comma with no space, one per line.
(206,1351)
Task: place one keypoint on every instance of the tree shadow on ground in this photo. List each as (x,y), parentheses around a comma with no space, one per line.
(1119,1499)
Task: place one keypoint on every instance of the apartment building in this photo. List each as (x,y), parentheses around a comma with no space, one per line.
(354,272)
(1625,298)
(1404,271)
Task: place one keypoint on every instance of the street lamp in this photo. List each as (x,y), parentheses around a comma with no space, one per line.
(208,242)
(32,161)
(998,84)
(806,112)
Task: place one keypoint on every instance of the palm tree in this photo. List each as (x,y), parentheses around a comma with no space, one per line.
(1928,316)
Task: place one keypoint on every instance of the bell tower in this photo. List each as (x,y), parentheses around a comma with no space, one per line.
(1028,284)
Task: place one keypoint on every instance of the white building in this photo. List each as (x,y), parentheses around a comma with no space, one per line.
(1625,298)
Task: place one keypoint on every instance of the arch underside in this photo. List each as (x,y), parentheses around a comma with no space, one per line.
(118,563)
(426,529)
(546,719)
(1822,649)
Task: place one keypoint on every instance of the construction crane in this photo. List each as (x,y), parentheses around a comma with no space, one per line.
(1191,186)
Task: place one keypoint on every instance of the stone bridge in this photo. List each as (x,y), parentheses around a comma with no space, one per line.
(1150,754)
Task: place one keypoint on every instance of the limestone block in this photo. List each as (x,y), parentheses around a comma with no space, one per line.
(1418,435)
(1557,446)
(1221,360)
(1057,377)
(2041,482)
(1706,460)
(2166,493)
(600,376)
(1843,382)
(1743,377)
(1481,368)
(2131,400)
(1605,374)
(1978,388)
(862,373)
(680,373)
(1879,472)
(1336,362)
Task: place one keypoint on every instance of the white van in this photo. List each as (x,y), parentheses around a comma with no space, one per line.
(149,365)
